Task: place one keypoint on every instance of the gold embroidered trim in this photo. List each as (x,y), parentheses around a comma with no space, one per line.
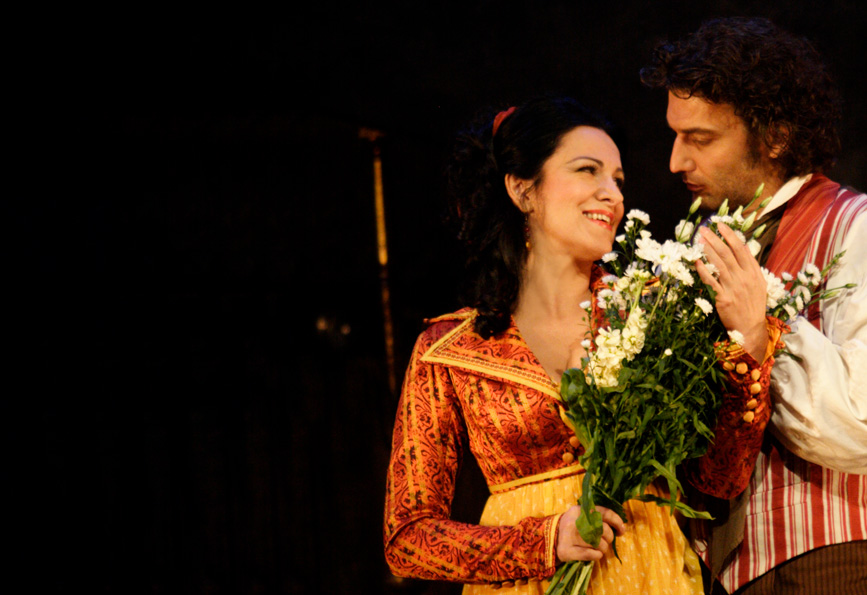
(440,353)
(539,477)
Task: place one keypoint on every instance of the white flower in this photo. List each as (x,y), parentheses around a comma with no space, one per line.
(799,303)
(693,252)
(633,333)
(682,273)
(813,272)
(585,305)
(620,239)
(634,271)
(786,277)
(803,292)
(775,287)
(754,247)
(668,352)
(667,258)
(586,344)
(603,297)
(803,279)
(737,337)
(648,249)
(727,219)
(637,214)
(629,224)
(704,305)
(790,310)
(683,230)
(609,257)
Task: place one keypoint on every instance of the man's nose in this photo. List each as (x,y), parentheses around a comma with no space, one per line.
(680,159)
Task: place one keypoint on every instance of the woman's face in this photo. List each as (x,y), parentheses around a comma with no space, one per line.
(577,203)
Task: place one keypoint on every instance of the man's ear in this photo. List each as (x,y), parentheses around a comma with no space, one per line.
(778,139)
(518,189)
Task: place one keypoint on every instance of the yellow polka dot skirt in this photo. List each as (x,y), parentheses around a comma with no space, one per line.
(657,559)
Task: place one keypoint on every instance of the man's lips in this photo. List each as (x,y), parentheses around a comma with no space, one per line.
(695,188)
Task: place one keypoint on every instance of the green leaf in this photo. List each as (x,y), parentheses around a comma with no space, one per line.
(589,521)
(684,509)
(589,524)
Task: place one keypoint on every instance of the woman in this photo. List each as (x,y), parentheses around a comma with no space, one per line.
(538,197)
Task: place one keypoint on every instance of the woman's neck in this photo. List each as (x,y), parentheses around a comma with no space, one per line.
(553,290)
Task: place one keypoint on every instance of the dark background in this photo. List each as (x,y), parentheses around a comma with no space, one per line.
(198,398)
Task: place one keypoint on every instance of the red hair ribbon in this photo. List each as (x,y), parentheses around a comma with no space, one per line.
(498,119)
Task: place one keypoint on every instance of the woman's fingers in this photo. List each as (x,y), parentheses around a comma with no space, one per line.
(613,519)
(570,545)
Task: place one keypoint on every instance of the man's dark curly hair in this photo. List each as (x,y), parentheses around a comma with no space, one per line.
(487,222)
(776,82)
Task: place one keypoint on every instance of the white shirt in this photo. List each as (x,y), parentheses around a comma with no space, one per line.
(820,402)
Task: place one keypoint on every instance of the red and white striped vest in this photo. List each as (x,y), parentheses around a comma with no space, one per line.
(797,506)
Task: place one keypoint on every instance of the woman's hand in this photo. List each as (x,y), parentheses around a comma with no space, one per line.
(741,290)
(571,547)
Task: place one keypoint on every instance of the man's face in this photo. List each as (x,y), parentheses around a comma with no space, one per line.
(713,153)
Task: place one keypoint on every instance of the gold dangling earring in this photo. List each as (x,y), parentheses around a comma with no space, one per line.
(527,231)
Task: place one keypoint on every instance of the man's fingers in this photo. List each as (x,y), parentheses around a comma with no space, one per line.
(736,247)
(706,276)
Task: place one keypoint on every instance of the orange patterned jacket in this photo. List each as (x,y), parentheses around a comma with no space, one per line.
(493,396)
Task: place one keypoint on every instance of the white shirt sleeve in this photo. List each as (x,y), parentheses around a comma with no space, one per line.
(820,402)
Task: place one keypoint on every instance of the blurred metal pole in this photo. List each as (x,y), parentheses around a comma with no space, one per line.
(382,251)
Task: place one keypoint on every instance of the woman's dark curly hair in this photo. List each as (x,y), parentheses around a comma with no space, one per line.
(775,81)
(488,223)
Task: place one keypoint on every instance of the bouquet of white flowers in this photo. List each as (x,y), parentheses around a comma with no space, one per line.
(638,418)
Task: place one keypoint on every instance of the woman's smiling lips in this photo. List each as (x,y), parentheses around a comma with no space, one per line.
(603,218)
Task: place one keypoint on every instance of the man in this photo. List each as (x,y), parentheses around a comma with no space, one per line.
(752,104)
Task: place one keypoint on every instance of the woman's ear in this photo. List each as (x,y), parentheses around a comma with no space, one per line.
(518,189)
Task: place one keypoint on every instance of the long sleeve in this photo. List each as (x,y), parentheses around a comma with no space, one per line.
(820,398)
(725,470)
(420,540)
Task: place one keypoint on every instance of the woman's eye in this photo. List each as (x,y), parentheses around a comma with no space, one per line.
(588,168)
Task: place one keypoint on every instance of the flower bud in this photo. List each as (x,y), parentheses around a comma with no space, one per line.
(723,208)
(759,231)
(759,191)
(695,205)
(749,220)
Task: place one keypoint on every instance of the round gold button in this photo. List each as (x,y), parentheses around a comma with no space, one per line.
(755,388)
(741,368)
(568,458)
(756,374)
(749,416)
(752,404)
(728,366)
(574,442)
